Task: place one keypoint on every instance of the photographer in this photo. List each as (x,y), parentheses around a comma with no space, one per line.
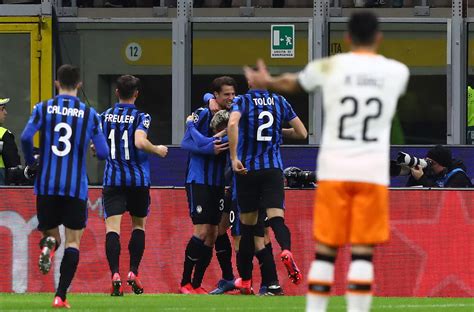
(442,171)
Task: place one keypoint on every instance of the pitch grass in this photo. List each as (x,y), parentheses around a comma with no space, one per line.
(171,302)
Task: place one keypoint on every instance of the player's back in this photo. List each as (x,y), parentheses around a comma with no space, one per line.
(126,165)
(260,128)
(67,126)
(360,95)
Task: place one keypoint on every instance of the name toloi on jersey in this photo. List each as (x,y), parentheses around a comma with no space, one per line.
(119,118)
(74,112)
(264,101)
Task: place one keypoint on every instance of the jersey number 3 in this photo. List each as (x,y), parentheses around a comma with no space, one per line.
(354,112)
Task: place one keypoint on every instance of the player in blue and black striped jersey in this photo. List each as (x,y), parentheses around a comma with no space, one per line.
(255,133)
(127,179)
(205,185)
(66,127)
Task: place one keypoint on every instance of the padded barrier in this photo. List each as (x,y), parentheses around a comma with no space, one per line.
(431,252)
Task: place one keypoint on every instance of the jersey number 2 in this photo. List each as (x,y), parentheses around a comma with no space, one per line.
(354,112)
(125,144)
(264,126)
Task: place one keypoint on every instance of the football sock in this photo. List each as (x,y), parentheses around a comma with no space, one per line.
(267,267)
(68,269)
(201,265)
(112,251)
(359,283)
(269,247)
(281,231)
(224,256)
(136,247)
(246,251)
(320,280)
(191,255)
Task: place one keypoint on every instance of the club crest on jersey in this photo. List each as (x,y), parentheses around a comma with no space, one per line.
(198,209)
(195,118)
(146,123)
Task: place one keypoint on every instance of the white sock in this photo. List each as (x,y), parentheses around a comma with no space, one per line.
(359,289)
(320,279)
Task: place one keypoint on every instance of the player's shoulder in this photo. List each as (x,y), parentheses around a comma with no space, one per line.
(395,66)
(202,110)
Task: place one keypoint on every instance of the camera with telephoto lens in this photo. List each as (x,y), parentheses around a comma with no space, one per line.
(404,162)
(297,178)
(412,161)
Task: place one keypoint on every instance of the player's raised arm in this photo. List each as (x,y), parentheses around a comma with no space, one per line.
(260,78)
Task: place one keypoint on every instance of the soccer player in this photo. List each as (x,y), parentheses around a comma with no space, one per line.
(361,90)
(255,134)
(67,125)
(205,190)
(263,246)
(127,179)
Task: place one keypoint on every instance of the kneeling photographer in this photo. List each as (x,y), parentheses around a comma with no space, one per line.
(438,169)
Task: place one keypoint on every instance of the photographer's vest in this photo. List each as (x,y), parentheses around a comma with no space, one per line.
(441,182)
(2,133)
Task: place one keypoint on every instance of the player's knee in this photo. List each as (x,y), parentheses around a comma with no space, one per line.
(327,250)
(249,218)
(275,212)
(72,244)
(112,224)
(138,223)
(362,250)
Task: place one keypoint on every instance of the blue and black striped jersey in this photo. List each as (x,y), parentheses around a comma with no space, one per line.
(260,128)
(126,165)
(202,168)
(67,125)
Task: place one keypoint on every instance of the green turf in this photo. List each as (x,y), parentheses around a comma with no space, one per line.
(168,302)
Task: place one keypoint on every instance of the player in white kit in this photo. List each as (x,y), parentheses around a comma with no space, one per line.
(360,95)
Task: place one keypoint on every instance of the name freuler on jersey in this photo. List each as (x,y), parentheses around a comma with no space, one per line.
(119,118)
(263,101)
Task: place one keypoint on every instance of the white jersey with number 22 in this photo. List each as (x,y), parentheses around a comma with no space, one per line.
(360,95)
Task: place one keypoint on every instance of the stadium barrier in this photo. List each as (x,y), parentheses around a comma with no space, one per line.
(431,251)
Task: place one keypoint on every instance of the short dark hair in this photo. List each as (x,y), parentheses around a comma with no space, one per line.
(68,76)
(127,85)
(363,27)
(217,83)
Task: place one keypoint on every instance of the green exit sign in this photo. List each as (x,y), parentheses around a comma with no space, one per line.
(283,41)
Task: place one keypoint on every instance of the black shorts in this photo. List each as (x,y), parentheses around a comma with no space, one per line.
(260,189)
(234,218)
(206,203)
(227,200)
(53,210)
(118,199)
